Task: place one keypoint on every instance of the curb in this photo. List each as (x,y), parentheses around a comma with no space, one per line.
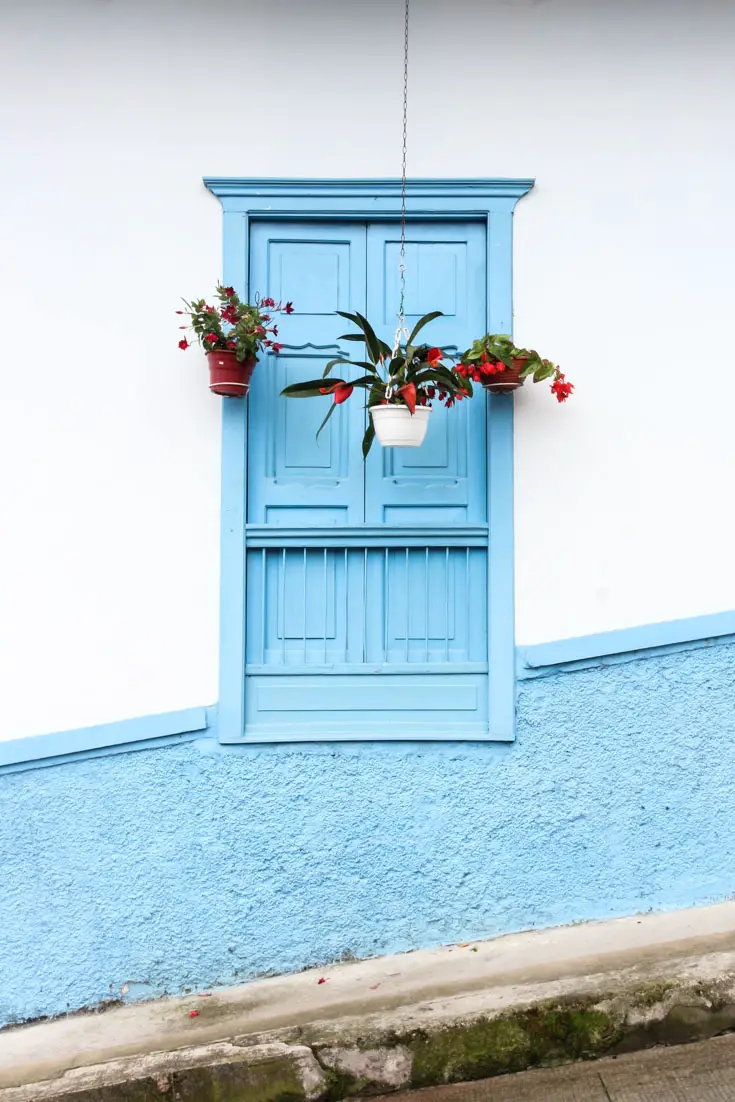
(326,1062)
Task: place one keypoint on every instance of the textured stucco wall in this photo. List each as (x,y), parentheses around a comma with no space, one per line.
(192,865)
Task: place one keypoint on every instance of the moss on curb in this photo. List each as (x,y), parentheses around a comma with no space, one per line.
(546,1034)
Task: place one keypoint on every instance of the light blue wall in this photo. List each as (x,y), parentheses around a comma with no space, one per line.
(197,864)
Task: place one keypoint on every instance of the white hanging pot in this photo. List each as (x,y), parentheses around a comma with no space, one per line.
(397,427)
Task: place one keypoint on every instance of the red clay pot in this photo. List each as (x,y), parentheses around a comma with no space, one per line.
(505,381)
(227,375)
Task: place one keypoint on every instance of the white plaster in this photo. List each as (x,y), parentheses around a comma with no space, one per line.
(112,112)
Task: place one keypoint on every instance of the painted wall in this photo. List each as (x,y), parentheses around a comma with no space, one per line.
(177,867)
(113,110)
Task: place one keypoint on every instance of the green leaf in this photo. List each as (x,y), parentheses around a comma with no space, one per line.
(311,389)
(370,337)
(368,438)
(349,363)
(422,322)
(543,372)
(330,411)
(350,317)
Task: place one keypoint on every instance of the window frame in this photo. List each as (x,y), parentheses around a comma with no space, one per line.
(490,200)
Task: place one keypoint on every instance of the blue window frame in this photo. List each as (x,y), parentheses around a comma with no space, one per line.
(249,202)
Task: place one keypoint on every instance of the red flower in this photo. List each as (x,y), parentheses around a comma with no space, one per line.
(408,393)
(179,311)
(231,344)
(210,309)
(561,389)
(268,302)
(184,344)
(229,291)
(193,1013)
(229,314)
(431,392)
(259,329)
(434,357)
(212,338)
(276,347)
(341,391)
(288,308)
(322,980)
(274,330)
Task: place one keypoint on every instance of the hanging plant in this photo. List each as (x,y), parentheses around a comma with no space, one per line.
(401,384)
(501,367)
(232,335)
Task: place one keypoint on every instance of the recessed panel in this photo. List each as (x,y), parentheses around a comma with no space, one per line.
(436,275)
(312,275)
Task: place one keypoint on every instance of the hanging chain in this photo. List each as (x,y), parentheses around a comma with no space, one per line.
(401,330)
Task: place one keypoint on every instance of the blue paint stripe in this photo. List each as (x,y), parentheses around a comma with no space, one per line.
(124,732)
(673,634)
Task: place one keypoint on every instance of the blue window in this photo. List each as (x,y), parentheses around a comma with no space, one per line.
(366,600)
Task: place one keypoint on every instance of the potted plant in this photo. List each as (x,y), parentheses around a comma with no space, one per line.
(401,383)
(501,367)
(232,334)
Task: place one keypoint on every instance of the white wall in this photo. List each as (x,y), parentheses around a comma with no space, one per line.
(113,110)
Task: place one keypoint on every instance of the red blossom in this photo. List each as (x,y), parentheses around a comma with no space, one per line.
(229,291)
(274,330)
(434,357)
(561,389)
(322,980)
(276,347)
(231,344)
(179,311)
(212,338)
(408,393)
(260,330)
(193,1013)
(229,314)
(341,391)
(265,317)
(288,308)
(268,302)
(184,344)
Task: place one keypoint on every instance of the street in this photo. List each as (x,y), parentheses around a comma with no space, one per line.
(703,1072)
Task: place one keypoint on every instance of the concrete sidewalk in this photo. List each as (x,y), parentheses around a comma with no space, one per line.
(702,1072)
(463,1012)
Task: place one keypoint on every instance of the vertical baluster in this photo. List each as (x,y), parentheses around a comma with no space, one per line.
(303,601)
(347,638)
(386,591)
(426,604)
(468,600)
(326,603)
(283,607)
(264,575)
(364,605)
(408,603)
(446,602)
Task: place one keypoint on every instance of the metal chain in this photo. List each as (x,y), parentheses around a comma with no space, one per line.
(402,265)
(403,169)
